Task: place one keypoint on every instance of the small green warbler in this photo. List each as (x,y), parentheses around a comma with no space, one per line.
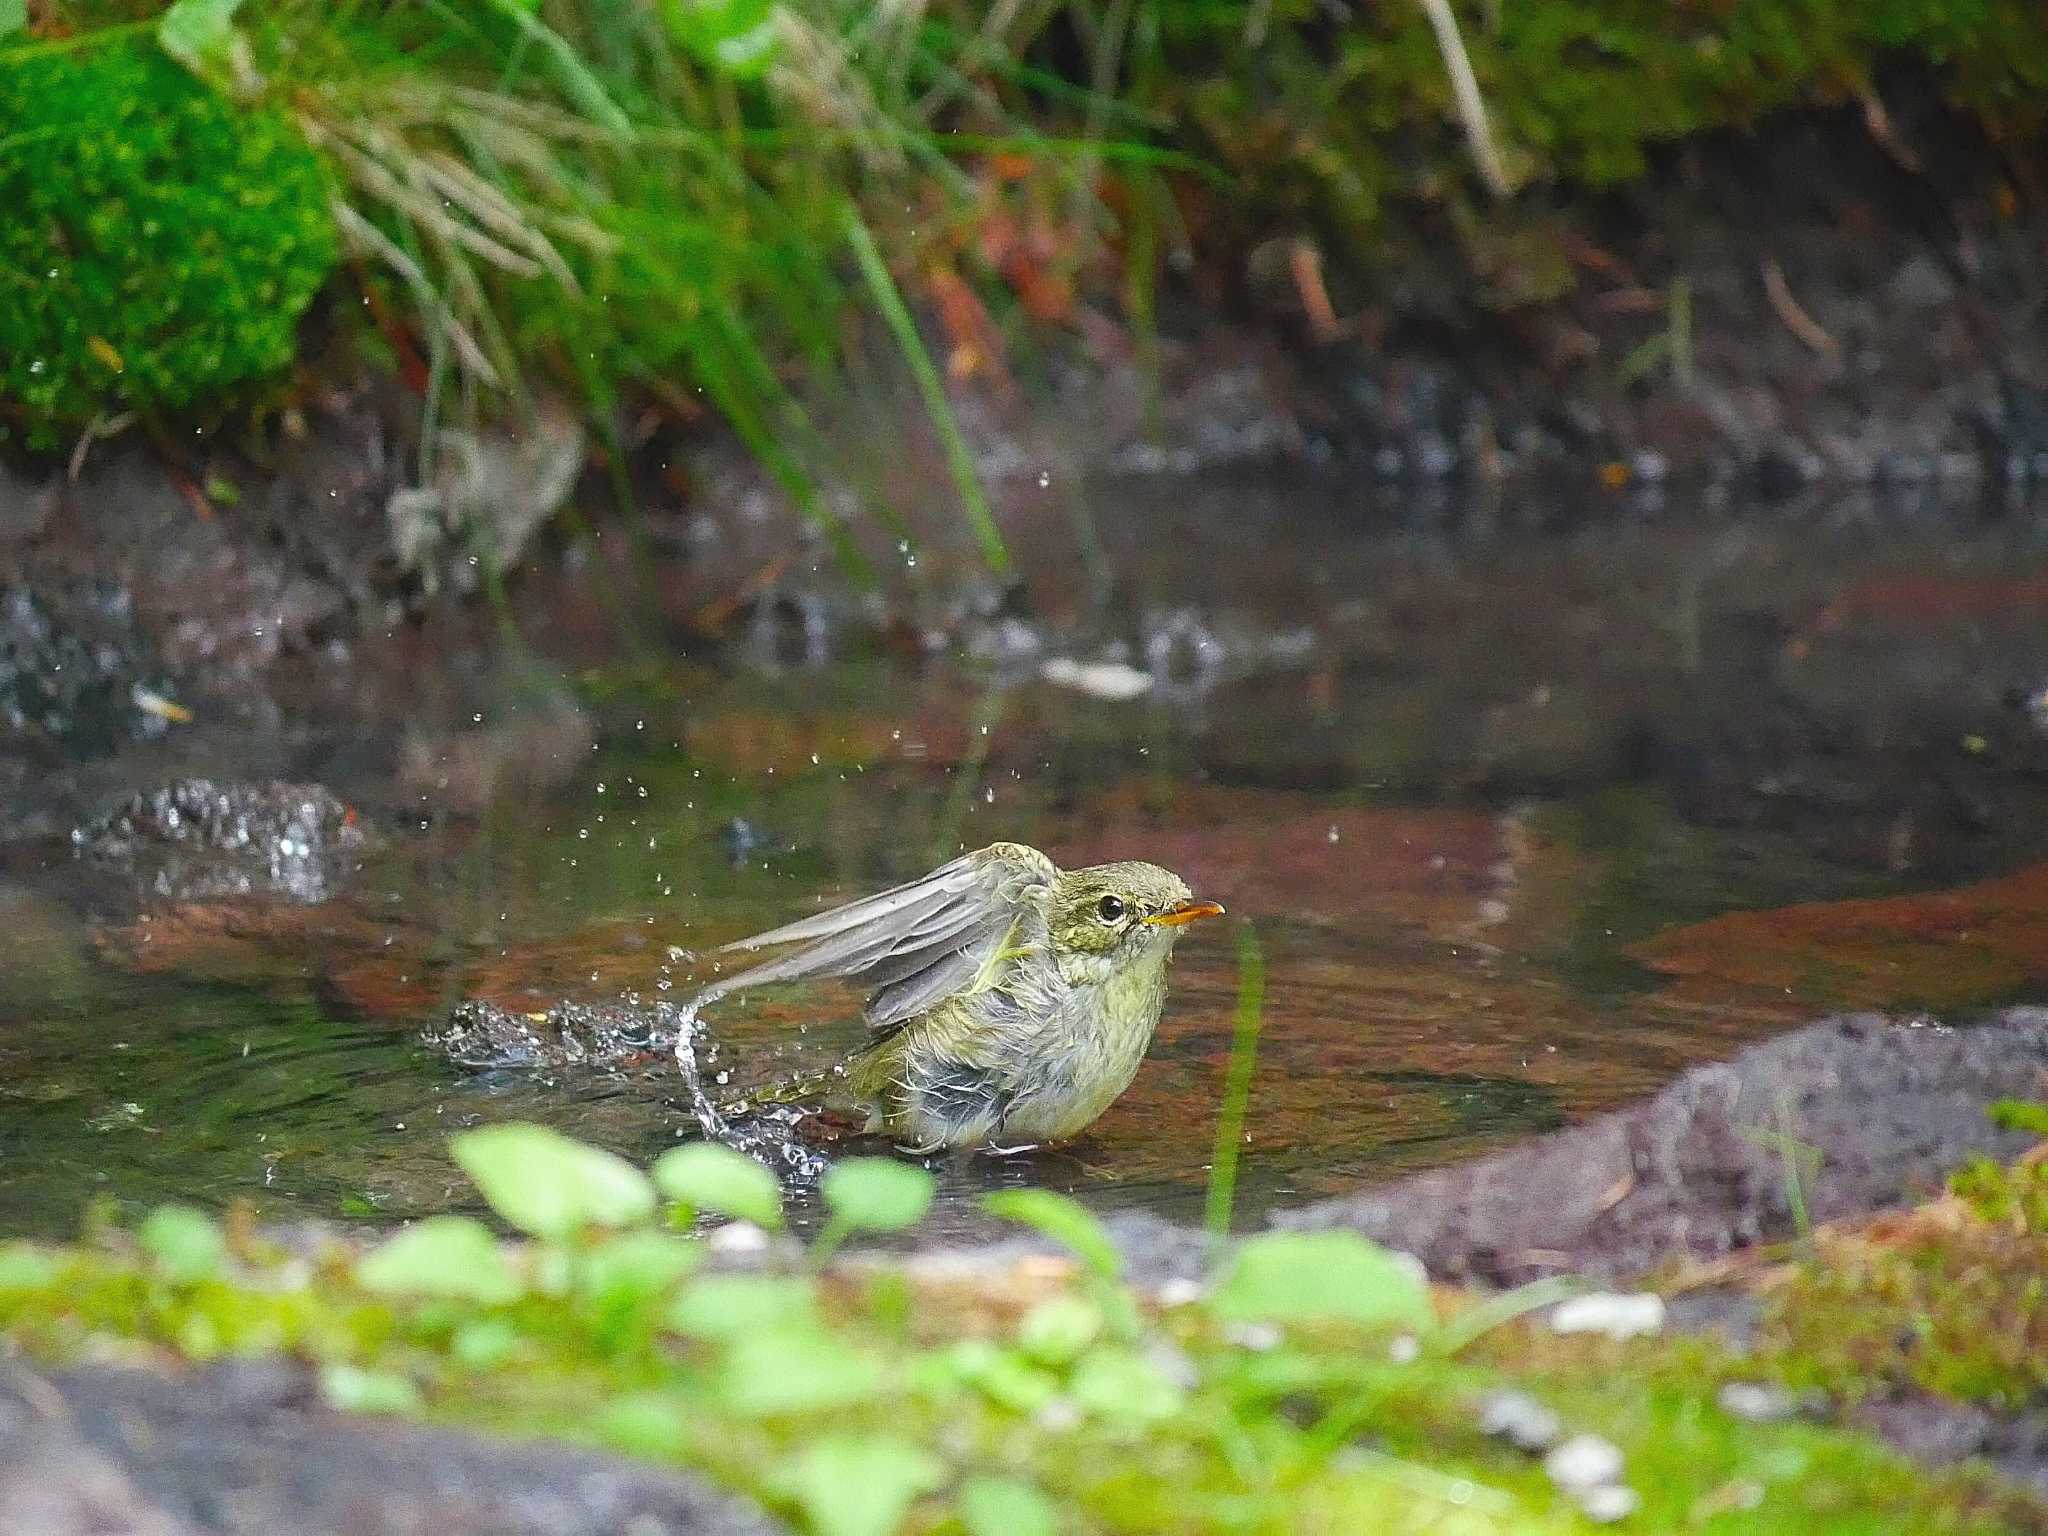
(1012,1000)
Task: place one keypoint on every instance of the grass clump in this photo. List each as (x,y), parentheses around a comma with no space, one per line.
(160,243)
(872,1397)
(1951,1297)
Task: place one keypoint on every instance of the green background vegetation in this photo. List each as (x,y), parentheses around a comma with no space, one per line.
(670,197)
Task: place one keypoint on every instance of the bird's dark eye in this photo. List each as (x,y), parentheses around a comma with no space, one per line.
(1110,909)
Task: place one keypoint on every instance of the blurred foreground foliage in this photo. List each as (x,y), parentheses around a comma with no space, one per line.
(1314,1382)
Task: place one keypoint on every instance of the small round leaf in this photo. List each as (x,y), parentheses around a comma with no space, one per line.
(1002,1506)
(713,1177)
(1306,1276)
(184,1242)
(877,1194)
(452,1257)
(546,1184)
(861,1485)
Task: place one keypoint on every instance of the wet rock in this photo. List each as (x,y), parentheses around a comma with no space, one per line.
(197,839)
(74,668)
(1889,1107)
(481,1034)
(98,1449)
(1927,1428)
(1947,948)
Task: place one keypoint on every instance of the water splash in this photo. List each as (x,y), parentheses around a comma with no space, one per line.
(684,1021)
(768,1131)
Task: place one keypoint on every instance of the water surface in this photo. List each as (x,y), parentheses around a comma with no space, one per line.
(1452,761)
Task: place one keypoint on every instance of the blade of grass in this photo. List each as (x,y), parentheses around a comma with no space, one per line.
(1237,1082)
(588,90)
(889,300)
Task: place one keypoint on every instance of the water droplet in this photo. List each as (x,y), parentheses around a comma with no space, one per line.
(36,365)
(1333,834)
(1044,480)
(989,794)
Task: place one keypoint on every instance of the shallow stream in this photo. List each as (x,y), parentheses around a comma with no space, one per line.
(1472,771)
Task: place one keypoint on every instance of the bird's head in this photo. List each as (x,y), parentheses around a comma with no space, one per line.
(1109,909)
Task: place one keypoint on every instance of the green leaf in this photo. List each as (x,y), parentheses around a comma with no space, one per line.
(543,1183)
(184,1242)
(1065,1221)
(13,17)
(713,1177)
(201,35)
(1058,1329)
(732,1306)
(1002,1506)
(861,1485)
(1122,1385)
(1001,1375)
(735,37)
(484,1343)
(448,1256)
(355,1390)
(1300,1276)
(647,1424)
(25,1267)
(877,1194)
(796,1370)
(635,1267)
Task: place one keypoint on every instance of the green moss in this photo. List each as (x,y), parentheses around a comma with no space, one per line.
(1329,123)
(160,242)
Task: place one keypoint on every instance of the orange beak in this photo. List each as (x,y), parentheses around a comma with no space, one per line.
(1186,912)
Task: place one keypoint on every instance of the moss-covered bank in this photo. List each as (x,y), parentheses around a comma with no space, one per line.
(674,202)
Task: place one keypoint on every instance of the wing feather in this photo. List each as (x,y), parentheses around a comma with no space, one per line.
(916,944)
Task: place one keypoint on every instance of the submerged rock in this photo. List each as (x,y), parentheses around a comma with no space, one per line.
(196,838)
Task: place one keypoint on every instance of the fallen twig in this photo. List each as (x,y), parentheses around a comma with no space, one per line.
(1797,320)
(1879,123)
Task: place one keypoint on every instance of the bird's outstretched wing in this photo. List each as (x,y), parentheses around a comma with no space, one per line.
(917,944)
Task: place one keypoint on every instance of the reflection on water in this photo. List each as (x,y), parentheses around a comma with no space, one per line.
(1451,780)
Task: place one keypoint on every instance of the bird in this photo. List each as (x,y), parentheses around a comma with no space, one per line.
(1010,1001)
